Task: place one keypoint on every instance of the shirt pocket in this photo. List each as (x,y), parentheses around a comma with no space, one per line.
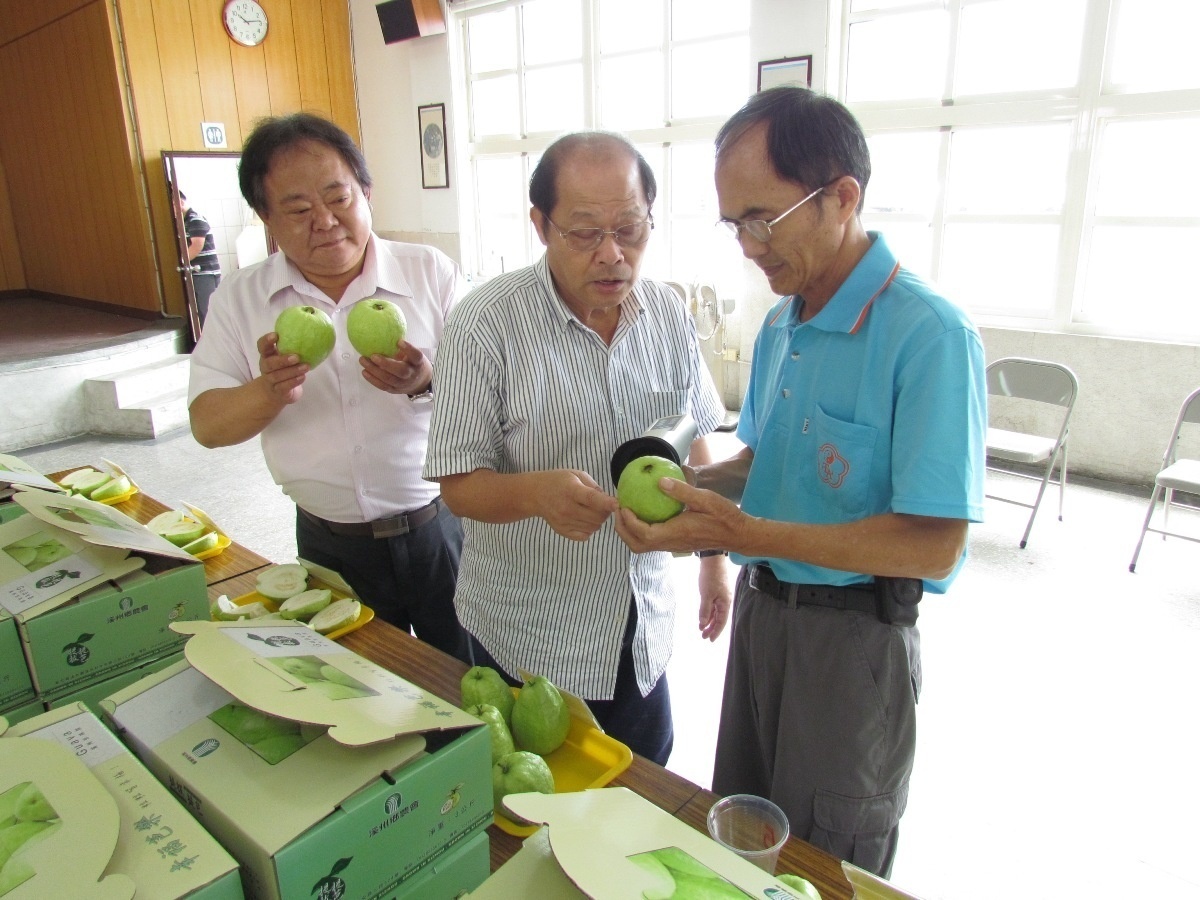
(844,452)
(661,404)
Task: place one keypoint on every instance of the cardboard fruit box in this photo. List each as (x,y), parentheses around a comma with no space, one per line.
(16,684)
(610,843)
(86,607)
(321,772)
(93,822)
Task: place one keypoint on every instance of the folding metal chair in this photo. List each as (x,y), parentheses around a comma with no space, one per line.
(1040,382)
(1175,475)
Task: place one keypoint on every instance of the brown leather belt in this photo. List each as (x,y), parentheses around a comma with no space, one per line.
(387,527)
(857,597)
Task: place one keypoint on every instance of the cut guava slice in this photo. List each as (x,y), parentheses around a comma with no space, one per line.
(165,520)
(206,541)
(90,482)
(114,487)
(223,609)
(336,615)
(306,604)
(283,581)
(255,610)
(184,532)
(68,481)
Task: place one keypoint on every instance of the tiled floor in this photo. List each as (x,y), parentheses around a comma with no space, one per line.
(1058,725)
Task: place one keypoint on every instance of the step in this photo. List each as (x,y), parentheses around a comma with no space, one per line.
(135,387)
(154,417)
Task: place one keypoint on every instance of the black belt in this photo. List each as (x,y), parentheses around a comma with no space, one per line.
(858,597)
(387,527)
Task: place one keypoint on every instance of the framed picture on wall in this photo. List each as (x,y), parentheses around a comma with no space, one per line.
(431,121)
(794,70)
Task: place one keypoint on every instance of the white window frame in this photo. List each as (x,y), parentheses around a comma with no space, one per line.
(1089,106)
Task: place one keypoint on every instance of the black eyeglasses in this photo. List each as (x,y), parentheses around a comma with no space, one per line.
(760,230)
(586,240)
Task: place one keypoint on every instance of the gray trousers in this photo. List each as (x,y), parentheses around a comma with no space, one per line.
(819,715)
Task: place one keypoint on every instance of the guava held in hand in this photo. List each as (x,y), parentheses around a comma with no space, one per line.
(540,719)
(307,332)
(376,326)
(638,490)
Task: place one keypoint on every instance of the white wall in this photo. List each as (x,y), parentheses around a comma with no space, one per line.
(1130,391)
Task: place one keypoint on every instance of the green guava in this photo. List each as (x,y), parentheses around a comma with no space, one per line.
(540,719)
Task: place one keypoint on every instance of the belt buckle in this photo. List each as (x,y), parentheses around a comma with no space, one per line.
(393,526)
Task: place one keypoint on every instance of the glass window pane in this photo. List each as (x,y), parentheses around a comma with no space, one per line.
(494,106)
(553,31)
(1131,155)
(1118,284)
(617,36)
(999,51)
(1009,269)
(900,57)
(912,242)
(702,18)
(492,41)
(694,191)
(502,244)
(554,98)
(710,79)
(1154,46)
(1021,169)
(904,172)
(500,186)
(631,92)
(860,6)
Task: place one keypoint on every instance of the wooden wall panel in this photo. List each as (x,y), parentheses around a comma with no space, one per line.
(76,208)
(12,273)
(87,203)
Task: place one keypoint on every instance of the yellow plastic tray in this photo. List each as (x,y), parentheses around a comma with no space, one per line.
(588,758)
(365,613)
(120,498)
(223,541)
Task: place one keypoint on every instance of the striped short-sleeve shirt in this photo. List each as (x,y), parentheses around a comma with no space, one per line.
(522,386)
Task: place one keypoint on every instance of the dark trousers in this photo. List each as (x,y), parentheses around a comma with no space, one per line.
(408,580)
(641,723)
(204,284)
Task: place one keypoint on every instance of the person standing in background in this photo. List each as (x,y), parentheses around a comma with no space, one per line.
(201,252)
(346,439)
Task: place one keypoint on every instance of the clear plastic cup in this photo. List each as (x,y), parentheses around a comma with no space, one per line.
(752,827)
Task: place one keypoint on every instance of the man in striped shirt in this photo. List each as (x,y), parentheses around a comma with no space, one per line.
(541,374)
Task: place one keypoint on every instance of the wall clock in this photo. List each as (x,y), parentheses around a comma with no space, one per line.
(245,21)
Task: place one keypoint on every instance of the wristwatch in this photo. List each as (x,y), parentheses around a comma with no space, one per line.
(425,396)
(705,553)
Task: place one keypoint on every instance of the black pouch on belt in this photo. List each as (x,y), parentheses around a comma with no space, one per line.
(896,599)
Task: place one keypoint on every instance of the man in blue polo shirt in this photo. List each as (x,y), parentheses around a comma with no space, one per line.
(864,424)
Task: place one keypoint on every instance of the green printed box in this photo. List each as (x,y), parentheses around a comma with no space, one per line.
(21,713)
(86,607)
(93,821)
(91,695)
(16,685)
(324,774)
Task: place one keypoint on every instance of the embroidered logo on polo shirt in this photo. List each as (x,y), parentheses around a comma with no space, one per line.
(833,467)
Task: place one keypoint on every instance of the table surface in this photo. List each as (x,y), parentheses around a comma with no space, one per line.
(440,674)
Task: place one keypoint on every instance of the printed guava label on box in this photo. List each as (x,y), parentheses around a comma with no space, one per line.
(284,640)
(43,580)
(85,737)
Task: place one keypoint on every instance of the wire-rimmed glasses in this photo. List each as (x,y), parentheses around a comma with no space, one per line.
(585,240)
(761,230)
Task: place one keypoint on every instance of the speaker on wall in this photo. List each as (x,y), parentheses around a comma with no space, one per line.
(405,19)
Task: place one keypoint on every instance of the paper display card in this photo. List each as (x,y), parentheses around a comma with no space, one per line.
(15,471)
(289,671)
(40,562)
(97,523)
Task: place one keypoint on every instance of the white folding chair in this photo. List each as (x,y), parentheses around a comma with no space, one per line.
(1175,475)
(1041,382)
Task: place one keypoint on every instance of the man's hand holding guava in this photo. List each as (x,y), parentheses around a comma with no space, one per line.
(409,371)
(708,522)
(282,373)
(572,503)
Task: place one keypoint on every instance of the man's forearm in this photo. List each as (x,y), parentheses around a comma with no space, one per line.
(727,477)
(222,417)
(486,495)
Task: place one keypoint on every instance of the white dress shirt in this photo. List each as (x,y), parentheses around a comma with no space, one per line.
(524,386)
(345,451)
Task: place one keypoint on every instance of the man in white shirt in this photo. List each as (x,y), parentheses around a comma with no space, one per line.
(541,375)
(346,439)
